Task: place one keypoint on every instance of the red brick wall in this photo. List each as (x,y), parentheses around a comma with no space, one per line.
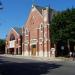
(17,38)
(33,25)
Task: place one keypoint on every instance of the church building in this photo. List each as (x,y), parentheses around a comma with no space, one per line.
(34,38)
(14,41)
(36,33)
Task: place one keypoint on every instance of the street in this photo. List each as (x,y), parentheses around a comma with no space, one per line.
(15,66)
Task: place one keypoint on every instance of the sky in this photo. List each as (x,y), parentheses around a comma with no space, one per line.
(15,12)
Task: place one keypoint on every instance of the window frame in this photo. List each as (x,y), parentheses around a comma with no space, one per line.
(41,27)
(26,32)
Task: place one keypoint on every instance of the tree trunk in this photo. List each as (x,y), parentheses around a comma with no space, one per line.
(55,50)
(68,45)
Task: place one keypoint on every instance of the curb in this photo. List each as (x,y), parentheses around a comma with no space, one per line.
(37,58)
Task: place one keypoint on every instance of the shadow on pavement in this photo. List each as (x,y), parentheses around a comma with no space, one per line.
(30,68)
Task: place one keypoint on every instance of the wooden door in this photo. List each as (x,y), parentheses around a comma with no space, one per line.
(34,50)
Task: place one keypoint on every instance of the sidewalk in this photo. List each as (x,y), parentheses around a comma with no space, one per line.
(38,58)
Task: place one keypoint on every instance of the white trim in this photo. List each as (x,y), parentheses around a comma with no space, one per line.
(41,26)
(40,38)
(19,46)
(37,53)
(26,32)
(30,53)
(26,53)
(45,26)
(33,42)
(45,37)
(40,42)
(19,39)
(30,15)
(15,31)
(36,10)
(12,44)
(10,32)
(26,44)
(32,5)
(46,40)
(45,54)
(48,24)
(41,53)
(33,39)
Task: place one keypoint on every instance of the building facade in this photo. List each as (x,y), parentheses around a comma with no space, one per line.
(36,33)
(14,41)
(34,38)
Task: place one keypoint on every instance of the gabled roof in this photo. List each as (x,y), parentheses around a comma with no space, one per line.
(39,8)
(18,30)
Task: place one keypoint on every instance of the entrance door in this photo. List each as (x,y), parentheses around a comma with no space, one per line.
(11,51)
(34,50)
(16,51)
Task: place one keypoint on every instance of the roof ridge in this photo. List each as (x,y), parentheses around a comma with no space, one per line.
(35,5)
(18,30)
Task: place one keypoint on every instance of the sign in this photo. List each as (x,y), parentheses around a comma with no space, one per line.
(12,44)
(53,50)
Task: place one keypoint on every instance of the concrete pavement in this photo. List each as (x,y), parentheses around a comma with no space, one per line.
(23,66)
(38,58)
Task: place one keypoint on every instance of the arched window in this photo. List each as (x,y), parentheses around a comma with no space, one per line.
(26,31)
(12,37)
(41,27)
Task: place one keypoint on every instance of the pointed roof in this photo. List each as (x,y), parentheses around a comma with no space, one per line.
(18,30)
(39,8)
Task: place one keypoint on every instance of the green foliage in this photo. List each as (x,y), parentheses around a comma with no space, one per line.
(63,26)
(2,42)
(2,46)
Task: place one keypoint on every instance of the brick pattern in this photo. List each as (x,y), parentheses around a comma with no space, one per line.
(35,35)
(17,42)
(42,37)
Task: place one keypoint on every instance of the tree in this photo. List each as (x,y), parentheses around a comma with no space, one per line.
(2,46)
(63,26)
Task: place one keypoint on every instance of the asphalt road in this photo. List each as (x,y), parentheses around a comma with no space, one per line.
(14,66)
